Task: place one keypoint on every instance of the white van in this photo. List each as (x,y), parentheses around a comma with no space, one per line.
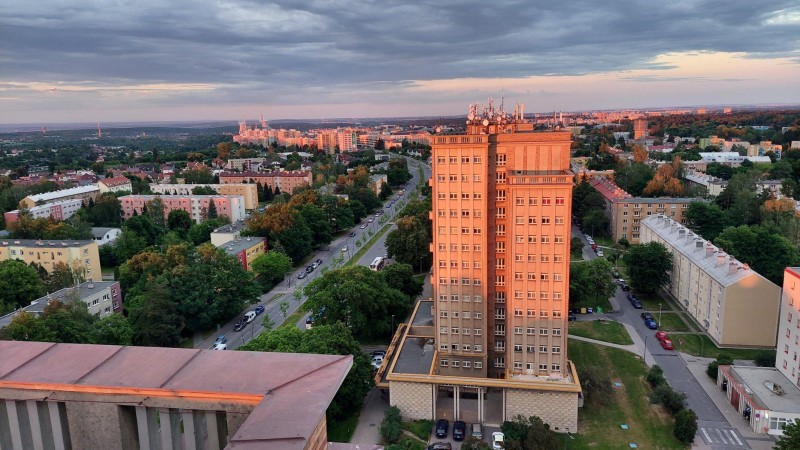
(250,316)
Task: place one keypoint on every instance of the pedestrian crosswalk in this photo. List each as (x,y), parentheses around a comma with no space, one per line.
(720,435)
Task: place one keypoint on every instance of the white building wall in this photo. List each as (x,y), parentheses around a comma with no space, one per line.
(787,358)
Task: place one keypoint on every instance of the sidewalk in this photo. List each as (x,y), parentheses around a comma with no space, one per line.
(697,367)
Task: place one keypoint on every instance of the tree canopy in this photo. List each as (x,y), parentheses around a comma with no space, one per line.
(765,251)
(19,284)
(649,266)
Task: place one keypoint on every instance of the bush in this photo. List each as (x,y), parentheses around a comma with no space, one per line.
(672,400)
(420,428)
(392,426)
(713,367)
(685,426)
(596,385)
(765,358)
(655,377)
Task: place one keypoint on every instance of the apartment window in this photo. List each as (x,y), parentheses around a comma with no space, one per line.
(556,367)
(442,230)
(476,178)
(556,277)
(519,220)
(454,297)
(465,160)
(544,277)
(545,201)
(499,313)
(556,313)
(465,196)
(443,314)
(476,159)
(519,201)
(478,365)
(443,363)
(559,239)
(442,330)
(501,159)
(558,258)
(466,364)
(453,160)
(477,196)
(466,347)
(465,298)
(476,282)
(478,315)
(531,258)
(531,239)
(532,221)
(531,295)
(545,239)
(518,276)
(500,280)
(556,331)
(476,231)
(453,196)
(532,201)
(478,332)
(517,294)
(454,347)
(454,331)
(441,160)
(545,220)
(559,221)
(542,313)
(501,195)
(559,200)
(556,349)
(543,348)
(517,348)
(453,213)
(500,213)
(454,281)
(544,258)
(500,345)
(556,295)
(500,230)
(543,332)
(531,349)
(499,362)
(543,295)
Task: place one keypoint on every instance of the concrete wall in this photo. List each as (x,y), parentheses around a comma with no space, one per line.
(558,409)
(751,313)
(415,400)
(93,425)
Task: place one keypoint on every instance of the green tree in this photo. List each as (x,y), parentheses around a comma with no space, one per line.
(203,190)
(633,178)
(410,242)
(179,220)
(766,252)
(127,245)
(741,199)
(392,425)
(156,322)
(530,433)
(385,192)
(473,443)
(113,329)
(576,247)
(212,210)
(317,221)
(791,436)
(19,284)
(706,219)
(591,282)
(106,212)
(155,211)
(59,277)
(585,198)
(685,426)
(596,222)
(596,385)
(649,266)
(284,307)
(357,297)
(400,276)
(70,321)
(333,339)
(271,267)
(296,239)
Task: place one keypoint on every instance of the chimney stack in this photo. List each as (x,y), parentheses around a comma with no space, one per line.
(720,258)
(709,250)
(732,267)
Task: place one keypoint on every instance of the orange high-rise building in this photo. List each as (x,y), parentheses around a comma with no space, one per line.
(501,223)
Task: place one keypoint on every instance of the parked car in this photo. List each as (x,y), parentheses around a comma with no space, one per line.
(318,262)
(302,275)
(371,219)
(310,269)
(381,353)
(378,214)
(352,234)
(497,440)
(240,325)
(259,310)
(309,323)
(221,340)
(442,425)
(440,446)
(615,274)
(625,286)
(477,431)
(220,347)
(637,304)
(249,316)
(459,430)
(666,344)
(600,253)
(652,324)
(646,316)
(594,247)
(572,317)
(363,225)
(661,335)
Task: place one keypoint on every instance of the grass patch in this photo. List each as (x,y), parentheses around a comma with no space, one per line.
(671,322)
(651,302)
(342,430)
(420,428)
(293,318)
(368,245)
(607,331)
(701,345)
(600,426)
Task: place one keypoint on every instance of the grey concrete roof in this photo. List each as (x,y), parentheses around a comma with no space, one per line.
(47,196)
(665,200)
(80,292)
(44,243)
(416,356)
(720,266)
(237,245)
(99,232)
(239,225)
(754,380)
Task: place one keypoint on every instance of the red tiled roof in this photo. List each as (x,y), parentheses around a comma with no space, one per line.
(299,173)
(116,181)
(608,189)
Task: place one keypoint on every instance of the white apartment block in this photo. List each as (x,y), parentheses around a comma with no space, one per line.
(788,351)
(735,305)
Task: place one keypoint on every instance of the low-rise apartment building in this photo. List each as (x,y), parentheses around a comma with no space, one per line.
(732,303)
(248,191)
(101,297)
(81,256)
(227,233)
(286,181)
(245,249)
(231,206)
(82,193)
(62,210)
(115,184)
(625,212)
(105,235)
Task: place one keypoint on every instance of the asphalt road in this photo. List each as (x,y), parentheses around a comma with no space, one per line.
(285,291)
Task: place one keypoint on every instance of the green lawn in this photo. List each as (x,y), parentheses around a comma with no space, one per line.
(342,430)
(701,345)
(599,427)
(420,428)
(651,302)
(607,331)
(671,321)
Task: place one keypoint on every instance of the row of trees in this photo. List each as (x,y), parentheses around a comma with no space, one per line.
(410,242)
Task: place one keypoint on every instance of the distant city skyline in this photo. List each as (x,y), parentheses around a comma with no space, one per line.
(70,61)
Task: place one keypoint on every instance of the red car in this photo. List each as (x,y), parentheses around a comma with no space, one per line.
(666,344)
(661,335)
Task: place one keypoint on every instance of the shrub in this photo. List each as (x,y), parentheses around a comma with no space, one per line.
(672,400)
(685,426)
(655,377)
(713,367)
(765,358)
(392,426)
(596,385)
(420,428)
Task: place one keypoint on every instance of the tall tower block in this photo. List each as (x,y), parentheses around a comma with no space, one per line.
(639,129)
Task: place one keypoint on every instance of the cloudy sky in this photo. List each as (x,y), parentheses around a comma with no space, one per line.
(111,60)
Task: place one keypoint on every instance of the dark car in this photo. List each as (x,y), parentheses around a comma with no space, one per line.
(652,324)
(302,275)
(318,262)
(442,426)
(630,297)
(647,316)
(572,317)
(459,430)
(352,233)
(240,325)
(637,304)
(310,269)
(259,309)
(625,287)
(615,274)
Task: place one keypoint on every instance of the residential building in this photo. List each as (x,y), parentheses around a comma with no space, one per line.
(105,235)
(81,256)
(795,145)
(639,129)
(713,185)
(377,181)
(769,397)
(101,297)
(492,343)
(731,302)
(245,249)
(227,233)
(115,184)
(125,397)
(242,164)
(247,190)
(286,181)
(626,212)
(61,210)
(83,193)
(732,159)
(231,206)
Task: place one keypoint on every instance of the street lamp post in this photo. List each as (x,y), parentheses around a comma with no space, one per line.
(659,314)
(644,352)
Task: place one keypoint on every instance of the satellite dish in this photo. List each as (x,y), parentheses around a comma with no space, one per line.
(438,129)
(471,116)
(485,122)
